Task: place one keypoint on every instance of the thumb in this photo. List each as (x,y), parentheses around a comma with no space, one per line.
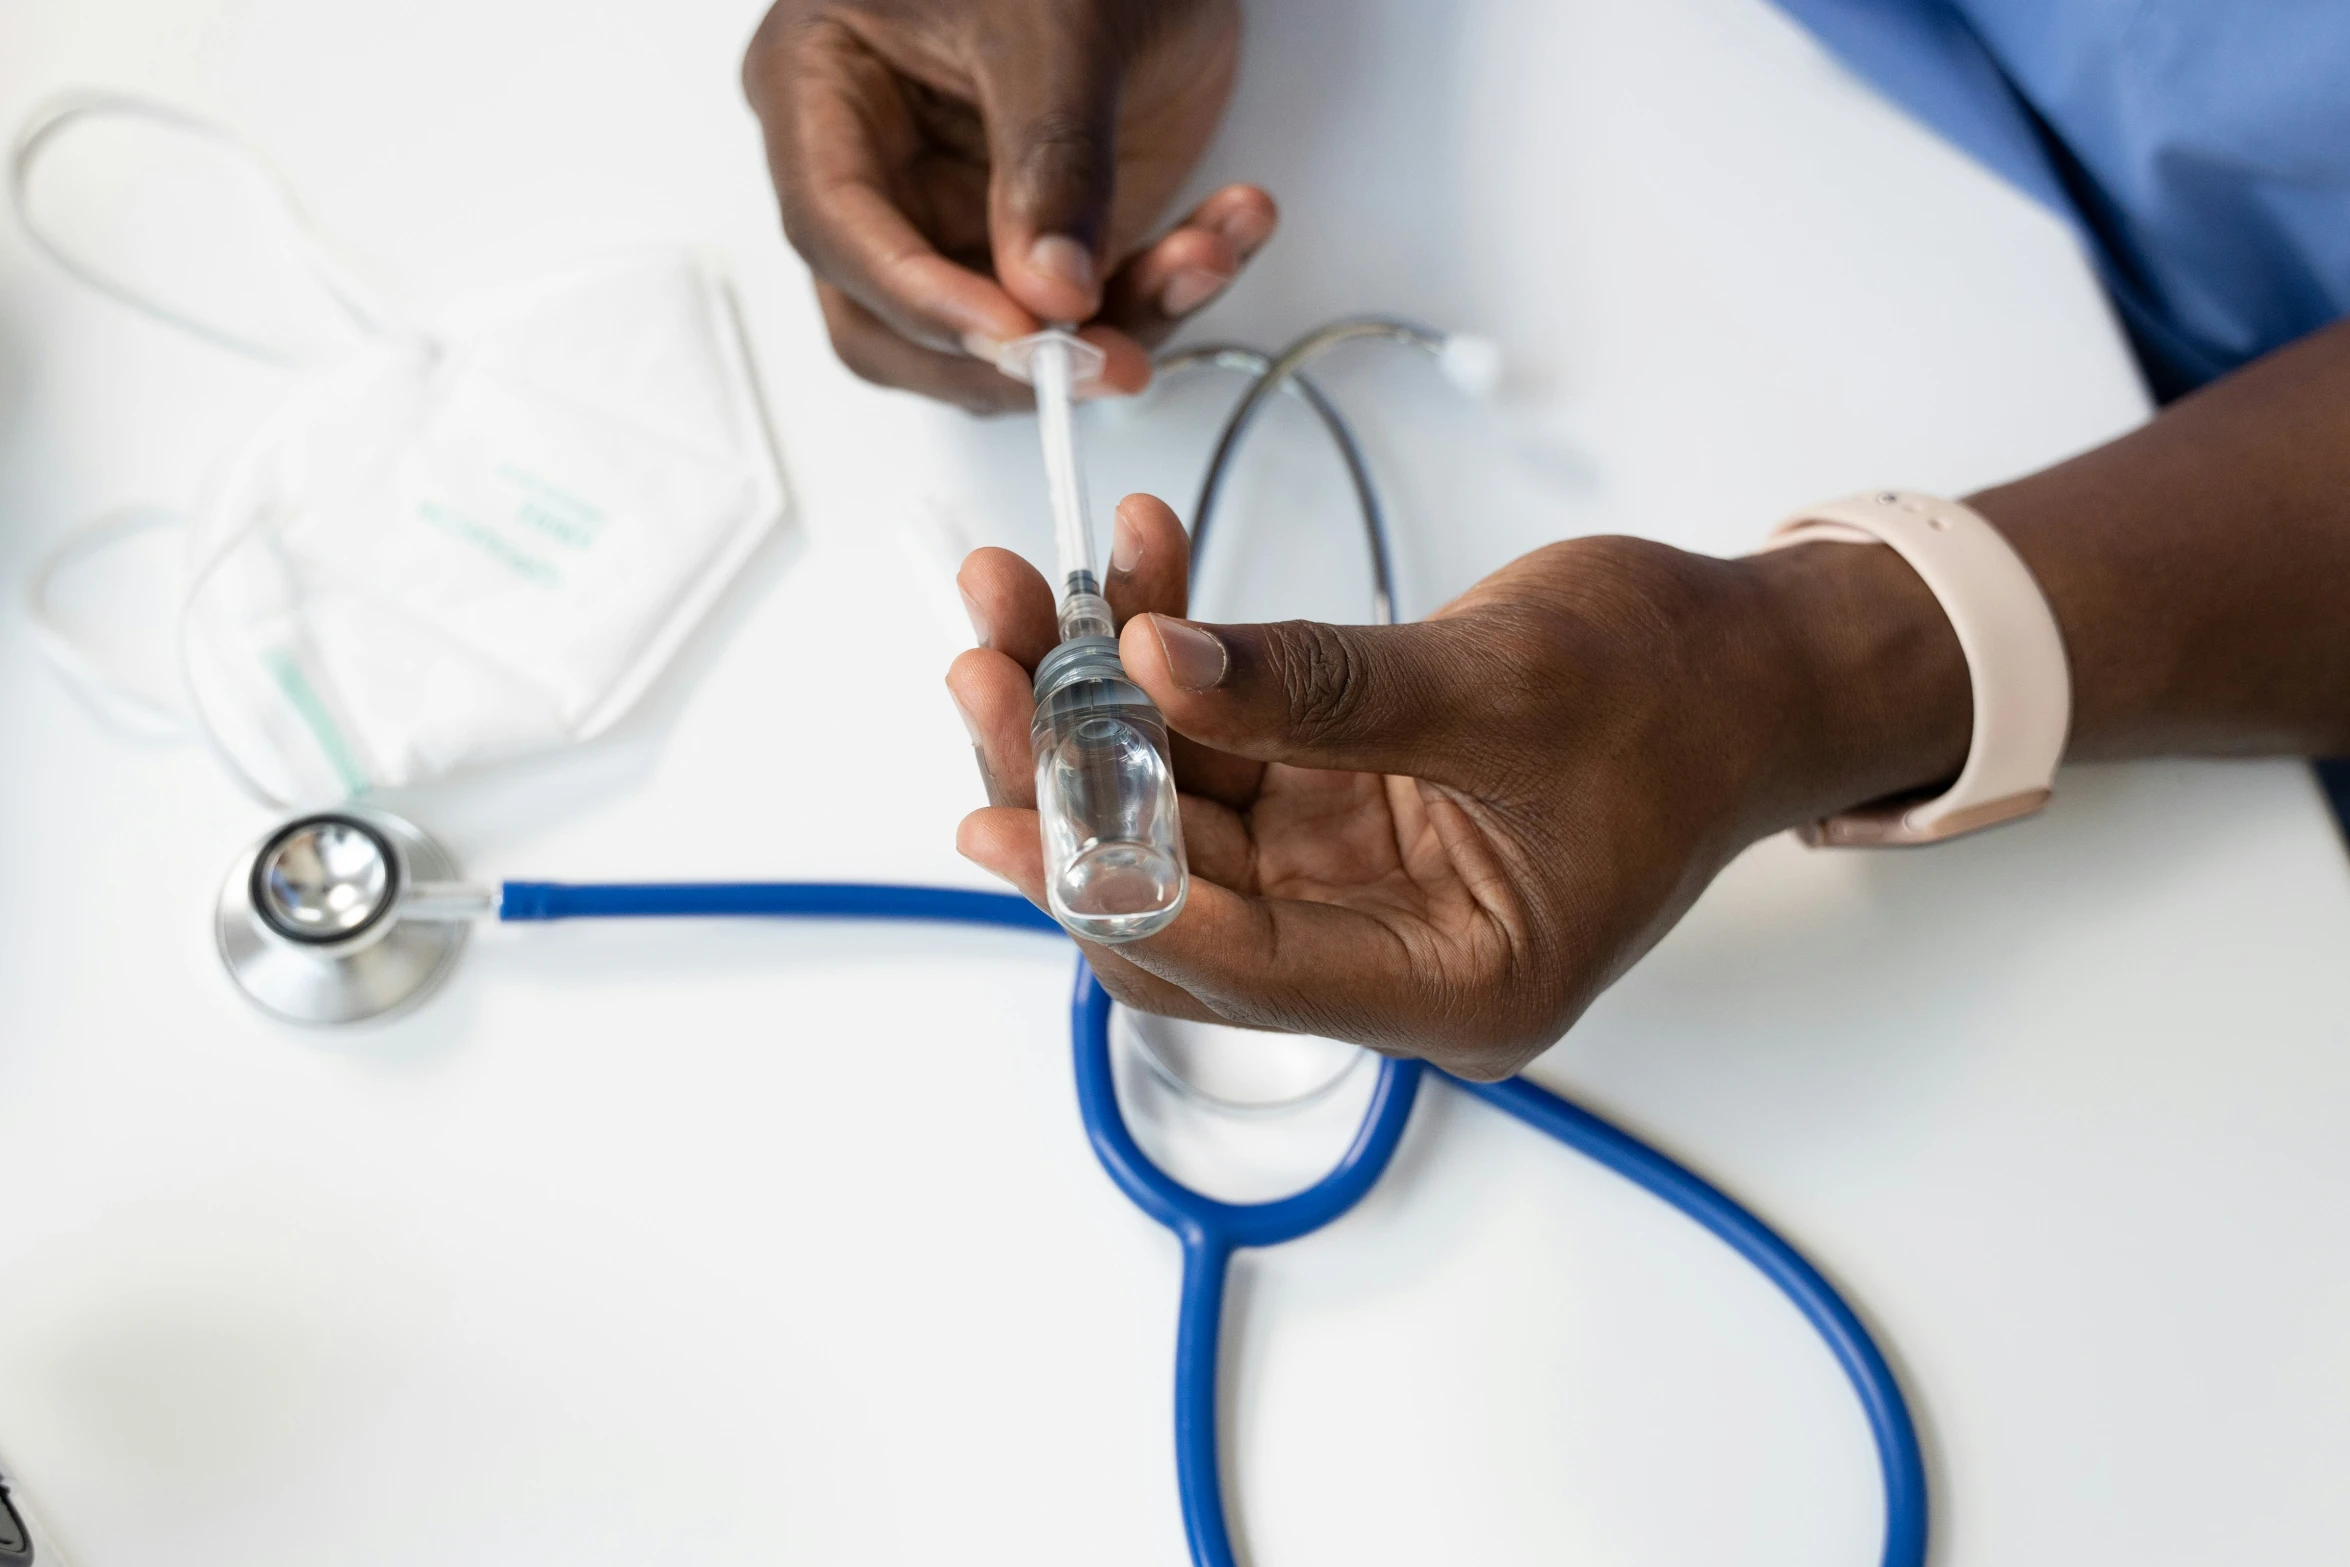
(1050,101)
(1381,699)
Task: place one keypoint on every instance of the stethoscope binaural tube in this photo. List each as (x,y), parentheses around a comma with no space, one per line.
(16,1540)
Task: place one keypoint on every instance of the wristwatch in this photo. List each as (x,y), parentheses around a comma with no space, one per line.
(2014,654)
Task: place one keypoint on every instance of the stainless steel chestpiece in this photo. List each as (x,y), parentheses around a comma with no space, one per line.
(342,916)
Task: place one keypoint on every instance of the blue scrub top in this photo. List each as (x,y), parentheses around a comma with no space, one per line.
(2201,148)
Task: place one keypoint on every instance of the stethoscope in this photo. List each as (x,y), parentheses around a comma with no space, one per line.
(353,913)
(16,1541)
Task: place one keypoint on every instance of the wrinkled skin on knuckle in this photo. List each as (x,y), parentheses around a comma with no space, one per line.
(1063,156)
(1504,1044)
(770,41)
(1509,1031)
(1315,667)
(1275,1010)
(1129,993)
(1513,1016)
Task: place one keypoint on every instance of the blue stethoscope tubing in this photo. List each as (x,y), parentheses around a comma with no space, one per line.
(1210,1231)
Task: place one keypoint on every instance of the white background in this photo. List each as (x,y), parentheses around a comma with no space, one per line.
(781,1244)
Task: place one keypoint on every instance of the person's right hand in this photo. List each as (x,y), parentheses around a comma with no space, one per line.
(957,173)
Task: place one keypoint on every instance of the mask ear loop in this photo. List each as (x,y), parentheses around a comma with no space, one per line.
(107,692)
(114,697)
(117,701)
(368,309)
(110,695)
(334,736)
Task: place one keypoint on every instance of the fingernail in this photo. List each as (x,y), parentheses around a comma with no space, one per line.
(1195,656)
(1189,289)
(1125,544)
(980,346)
(1057,255)
(979,626)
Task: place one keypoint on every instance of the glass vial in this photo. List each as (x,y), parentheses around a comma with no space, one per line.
(1105,794)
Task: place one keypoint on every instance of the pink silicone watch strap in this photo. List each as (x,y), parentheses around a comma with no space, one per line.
(2015,662)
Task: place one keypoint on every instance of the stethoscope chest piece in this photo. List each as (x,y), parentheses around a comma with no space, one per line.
(309,921)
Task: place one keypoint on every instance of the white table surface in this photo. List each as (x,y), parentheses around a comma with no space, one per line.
(736,1244)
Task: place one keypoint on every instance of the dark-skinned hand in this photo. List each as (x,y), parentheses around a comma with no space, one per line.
(958,173)
(1441,839)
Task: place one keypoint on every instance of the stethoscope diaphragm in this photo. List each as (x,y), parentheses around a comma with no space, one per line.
(309,923)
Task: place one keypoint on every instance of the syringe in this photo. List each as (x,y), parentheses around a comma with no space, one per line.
(1105,792)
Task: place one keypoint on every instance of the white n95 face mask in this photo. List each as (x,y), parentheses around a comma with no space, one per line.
(459,547)
(440,557)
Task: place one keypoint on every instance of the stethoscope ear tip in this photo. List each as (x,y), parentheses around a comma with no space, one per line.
(1472,364)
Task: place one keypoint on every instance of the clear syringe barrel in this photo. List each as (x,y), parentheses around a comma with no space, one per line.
(1105,787)
(1053,372)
